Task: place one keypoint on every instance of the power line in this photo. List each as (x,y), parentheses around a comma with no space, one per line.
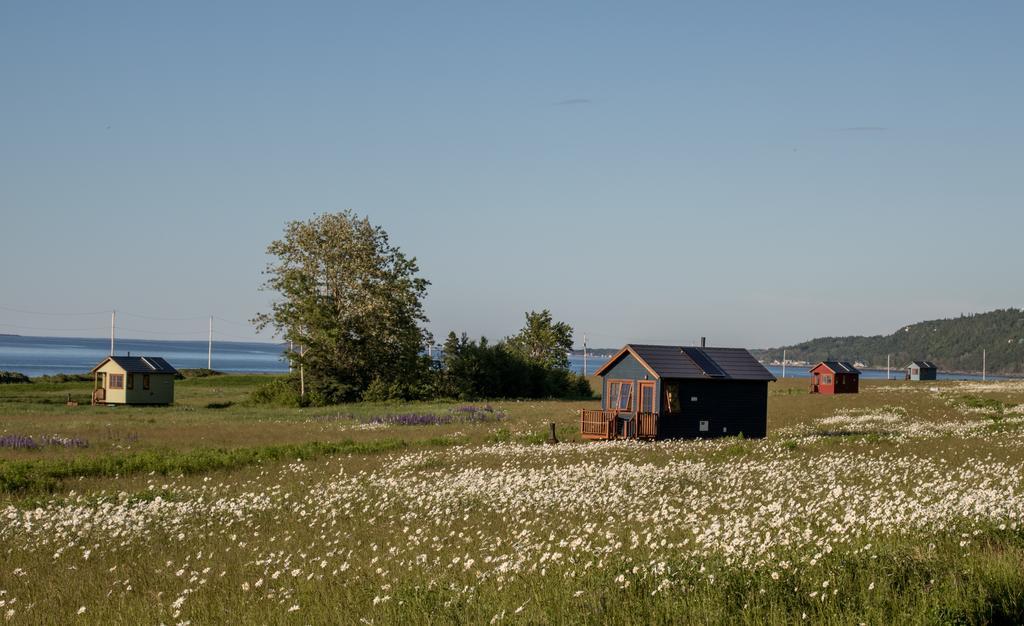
(127,313)
(221,319)
(7,308)
(191,333)
(20,327)
(161,319)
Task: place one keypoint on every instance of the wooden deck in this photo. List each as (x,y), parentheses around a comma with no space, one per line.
(598,424)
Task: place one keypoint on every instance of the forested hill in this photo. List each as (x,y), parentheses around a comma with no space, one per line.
(953,344)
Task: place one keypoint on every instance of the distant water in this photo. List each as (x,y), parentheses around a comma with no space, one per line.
(36,356)
(895,374)
(593,362)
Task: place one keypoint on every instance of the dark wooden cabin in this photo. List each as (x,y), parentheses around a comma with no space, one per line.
(922,370)
(832,377)
(660,392)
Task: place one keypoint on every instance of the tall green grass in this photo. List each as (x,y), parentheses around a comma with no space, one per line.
(45,475)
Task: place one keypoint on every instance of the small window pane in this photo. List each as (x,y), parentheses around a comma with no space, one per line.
(613,395)
(625,395)
(672,398)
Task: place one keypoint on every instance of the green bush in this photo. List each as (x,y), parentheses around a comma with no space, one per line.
(279,391)
(422,387)
(481,370)
(197,372)
(64,378)
(13,378)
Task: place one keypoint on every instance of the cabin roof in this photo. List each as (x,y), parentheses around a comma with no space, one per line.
(692,362)
(140,364)
(924,365)
(838,367)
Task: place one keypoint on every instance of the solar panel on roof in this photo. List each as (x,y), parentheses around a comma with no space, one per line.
(704,362)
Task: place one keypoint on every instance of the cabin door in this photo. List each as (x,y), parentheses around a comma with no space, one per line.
(646,395)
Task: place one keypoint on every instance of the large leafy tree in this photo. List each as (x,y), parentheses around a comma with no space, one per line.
(351,303)
(543,341)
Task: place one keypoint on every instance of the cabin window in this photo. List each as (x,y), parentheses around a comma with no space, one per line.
(626,396)
(101,379)
(672,398)
(130,381)
(116,381)
(828,379)
(145,381)
(613,395)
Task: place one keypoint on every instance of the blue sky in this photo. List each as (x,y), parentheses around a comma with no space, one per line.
(759,173)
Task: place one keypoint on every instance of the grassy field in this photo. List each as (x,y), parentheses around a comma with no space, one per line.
(903,503)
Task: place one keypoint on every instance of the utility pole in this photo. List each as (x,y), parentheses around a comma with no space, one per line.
(783,363)
(584,355)
(302,373)
(209,348)
(113,316)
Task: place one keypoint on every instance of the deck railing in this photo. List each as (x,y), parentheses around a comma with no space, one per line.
(646,425)
(598,424)
(99,395)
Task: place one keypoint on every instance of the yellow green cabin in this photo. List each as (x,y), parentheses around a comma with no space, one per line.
(133,380)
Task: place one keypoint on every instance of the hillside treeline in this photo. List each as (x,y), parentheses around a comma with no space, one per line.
(954,344)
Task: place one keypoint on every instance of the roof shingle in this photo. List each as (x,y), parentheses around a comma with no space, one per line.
(696,363)
(141,364)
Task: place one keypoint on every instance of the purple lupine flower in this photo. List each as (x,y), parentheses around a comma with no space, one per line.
(27,442)
(18,442)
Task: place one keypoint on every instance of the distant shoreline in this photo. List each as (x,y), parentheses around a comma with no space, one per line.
(898,374)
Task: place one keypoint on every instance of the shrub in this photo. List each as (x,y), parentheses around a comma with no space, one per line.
(64,378)
(13,378)
(480,370)
(197,372)
(422,386)
(280,391)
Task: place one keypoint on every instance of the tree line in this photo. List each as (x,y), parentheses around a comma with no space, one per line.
(953,344)
(350,305)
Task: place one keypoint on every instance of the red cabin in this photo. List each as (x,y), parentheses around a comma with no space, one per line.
(833,377)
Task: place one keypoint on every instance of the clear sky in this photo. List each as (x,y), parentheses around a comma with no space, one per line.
(759,173)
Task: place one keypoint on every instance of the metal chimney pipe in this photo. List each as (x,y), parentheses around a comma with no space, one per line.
(703,342)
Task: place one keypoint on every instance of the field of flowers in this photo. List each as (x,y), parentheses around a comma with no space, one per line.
(899,505)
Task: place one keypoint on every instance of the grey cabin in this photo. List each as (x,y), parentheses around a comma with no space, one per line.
(660,392)
(922,370)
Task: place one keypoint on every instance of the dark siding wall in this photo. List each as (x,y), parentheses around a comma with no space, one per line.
(929,374)
(730,407)
(629,369)
(847,383)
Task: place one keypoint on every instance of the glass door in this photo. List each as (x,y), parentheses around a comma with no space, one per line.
(646,396)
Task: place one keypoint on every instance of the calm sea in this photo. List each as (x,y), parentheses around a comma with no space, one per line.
(36,356)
